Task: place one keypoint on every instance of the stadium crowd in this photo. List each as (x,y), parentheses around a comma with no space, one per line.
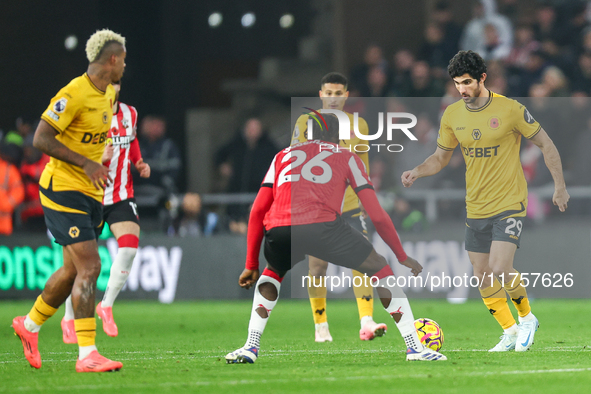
(542,53)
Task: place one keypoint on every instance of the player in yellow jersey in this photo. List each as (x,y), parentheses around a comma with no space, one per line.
(73,131)
(334,93)
(488,127)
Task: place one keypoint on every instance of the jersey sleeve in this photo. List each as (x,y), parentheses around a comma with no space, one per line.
(525,124)
(269,179)
(357,174)
(446,139)
(364,156)
(63,109)
(300,130)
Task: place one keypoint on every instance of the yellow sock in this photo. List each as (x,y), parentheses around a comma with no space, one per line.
(85,331)
(364,295)
(317,294)
(514,287)
(496,301)
(40,311)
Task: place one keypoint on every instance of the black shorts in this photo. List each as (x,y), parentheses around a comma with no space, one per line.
(334,241)
(506,226)
(71,216)
(356,220)
(122,211)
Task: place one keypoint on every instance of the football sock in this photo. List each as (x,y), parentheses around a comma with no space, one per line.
(364,295)
(529,317)
(69,315)
(317,294)
(514,287)
(257,323)
(365,319)
(513,330)
(38,315)
(86,333)
(399,307)
(496,301)
(121,267)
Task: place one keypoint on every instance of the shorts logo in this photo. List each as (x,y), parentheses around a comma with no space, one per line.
(74,232)
(527,116)
(60,105)
(105,117)
(476,134)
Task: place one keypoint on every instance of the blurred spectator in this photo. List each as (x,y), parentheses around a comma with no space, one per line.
(191,220)
(374,57)
(435,50)
(452,32)
(522,79)
(493,48)
(421,83)
(499,35)
(403,62)
(546,26)
(161,153)
(573,30)
(12,191)
(582,74)
(553,78)
(32,166)
(525,44)
(244,161)
(377,83)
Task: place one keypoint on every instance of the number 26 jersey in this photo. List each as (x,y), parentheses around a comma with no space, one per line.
(309,181)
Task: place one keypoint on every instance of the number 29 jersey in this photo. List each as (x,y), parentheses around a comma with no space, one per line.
(309,181)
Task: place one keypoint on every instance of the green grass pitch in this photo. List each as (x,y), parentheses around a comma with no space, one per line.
(181,347)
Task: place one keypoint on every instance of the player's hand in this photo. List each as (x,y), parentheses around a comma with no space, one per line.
(408,178)
(98,174)
(108,153)
(414,266)
(560,199)
(363,211)
(248,278)
(143,168)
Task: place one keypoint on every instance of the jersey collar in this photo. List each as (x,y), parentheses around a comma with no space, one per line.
(93,85)
(490,97)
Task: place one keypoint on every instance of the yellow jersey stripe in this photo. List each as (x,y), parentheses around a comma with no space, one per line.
(47,203)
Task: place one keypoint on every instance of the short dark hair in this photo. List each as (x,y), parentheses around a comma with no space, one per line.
(466,62)
(328,132)
(336,78)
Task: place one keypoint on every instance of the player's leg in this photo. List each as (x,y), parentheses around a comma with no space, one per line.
(266,293)
(68,329)
(127,235)
(364,292)
(495,300)
(396,304)
(317,294)
(501,261)
(56,290)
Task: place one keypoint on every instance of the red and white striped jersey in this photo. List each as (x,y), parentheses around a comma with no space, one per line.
(126,152)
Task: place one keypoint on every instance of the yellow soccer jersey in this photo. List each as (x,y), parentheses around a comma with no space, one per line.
(490,138)
(300,134)
(81,113)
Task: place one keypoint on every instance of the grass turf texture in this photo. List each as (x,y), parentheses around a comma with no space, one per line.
(181,348)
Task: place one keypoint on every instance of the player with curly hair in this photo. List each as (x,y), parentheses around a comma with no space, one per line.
(489,128)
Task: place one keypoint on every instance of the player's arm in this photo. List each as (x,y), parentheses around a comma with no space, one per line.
(552,160)
(45,141)
(135,156)
(431,166)
(254,236)
(361,184)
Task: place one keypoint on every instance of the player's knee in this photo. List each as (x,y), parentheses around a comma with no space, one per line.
(373,263)
(269,291)
(317,267)
(89,272)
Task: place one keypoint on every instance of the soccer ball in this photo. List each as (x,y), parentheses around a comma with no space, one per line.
(430,334)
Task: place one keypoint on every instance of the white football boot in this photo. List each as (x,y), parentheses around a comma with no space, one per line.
(321,333)
(525,338)
(506,343)
(243,356)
